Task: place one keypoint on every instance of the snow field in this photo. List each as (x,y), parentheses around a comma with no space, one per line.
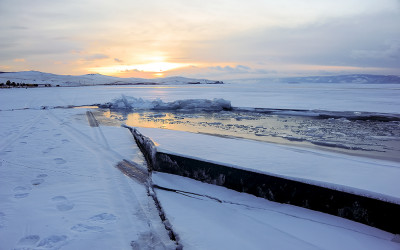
(60,188)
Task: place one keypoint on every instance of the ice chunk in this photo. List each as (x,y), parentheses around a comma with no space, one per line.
(129,102)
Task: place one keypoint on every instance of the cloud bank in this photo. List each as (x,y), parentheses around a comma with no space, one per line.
(220,37)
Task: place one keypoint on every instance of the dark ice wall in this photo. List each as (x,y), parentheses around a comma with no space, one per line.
(369,211)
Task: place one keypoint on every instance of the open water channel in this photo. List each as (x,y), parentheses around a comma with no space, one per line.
(351,133)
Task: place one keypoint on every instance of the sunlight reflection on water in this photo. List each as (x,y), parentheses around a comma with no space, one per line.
(369,138)
(86,107)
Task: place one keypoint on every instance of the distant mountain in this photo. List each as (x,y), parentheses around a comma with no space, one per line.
(357,78)
(36,77)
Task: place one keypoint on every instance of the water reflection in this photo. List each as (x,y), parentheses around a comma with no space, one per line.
(86,107)
(369,138)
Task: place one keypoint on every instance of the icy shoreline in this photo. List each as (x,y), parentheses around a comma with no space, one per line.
(61,188)
(367,134)
(200,162)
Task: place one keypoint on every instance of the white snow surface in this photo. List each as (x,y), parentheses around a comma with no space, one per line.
(382,98)
(60,189)
(358,175)
(37,77)
(243,221)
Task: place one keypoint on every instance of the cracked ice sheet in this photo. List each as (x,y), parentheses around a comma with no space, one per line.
(255,223)
(358,175)
(59,186)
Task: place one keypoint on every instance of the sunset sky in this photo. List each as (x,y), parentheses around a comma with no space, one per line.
(222,39)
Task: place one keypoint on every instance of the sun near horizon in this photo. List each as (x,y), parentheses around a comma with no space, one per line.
(199,39)
(153,69)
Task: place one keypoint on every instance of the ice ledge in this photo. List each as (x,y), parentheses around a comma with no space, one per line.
(365,206)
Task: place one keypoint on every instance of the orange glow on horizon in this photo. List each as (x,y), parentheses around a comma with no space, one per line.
(154,69)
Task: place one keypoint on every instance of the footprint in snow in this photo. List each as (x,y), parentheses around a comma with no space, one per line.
(21,192)
(42,176)
(53,242)
(62,203)
(103,217)
(39,179)
(64,140)
(92,223)
(47,150)
(27,242)
(86,228)
(22,188)
(59,161)
(37,182)
(21,195)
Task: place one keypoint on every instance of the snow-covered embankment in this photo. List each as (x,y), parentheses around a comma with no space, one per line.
(350,202)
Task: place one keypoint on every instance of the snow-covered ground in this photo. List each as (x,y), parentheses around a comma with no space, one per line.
(36,77)
(60,188)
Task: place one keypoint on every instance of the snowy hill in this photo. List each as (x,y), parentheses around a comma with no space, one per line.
(36,77)
(355,78)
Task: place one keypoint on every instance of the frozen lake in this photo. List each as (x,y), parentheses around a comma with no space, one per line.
(59,178)
(380,98)
(343,130)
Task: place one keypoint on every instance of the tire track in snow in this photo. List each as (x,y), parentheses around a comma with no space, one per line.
(91,119)
(147,210)
(9,140)
(142,175)
(133,171)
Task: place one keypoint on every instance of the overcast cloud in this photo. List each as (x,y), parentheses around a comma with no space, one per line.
(255,37)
